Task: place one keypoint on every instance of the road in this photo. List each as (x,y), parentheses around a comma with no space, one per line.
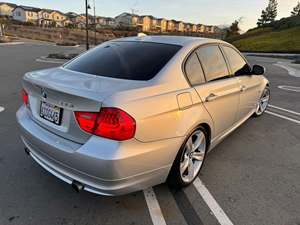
(251,178)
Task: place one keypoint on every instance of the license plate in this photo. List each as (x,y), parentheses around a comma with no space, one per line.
(51,113)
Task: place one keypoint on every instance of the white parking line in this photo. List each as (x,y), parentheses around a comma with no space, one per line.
(212,203)
(11,43)
(285,110)
(289,88)
(283,117)
(154,208)
(50,61)
(292,71)
(2,109)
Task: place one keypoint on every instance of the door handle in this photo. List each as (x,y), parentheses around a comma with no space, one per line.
(211,97)
(243,88)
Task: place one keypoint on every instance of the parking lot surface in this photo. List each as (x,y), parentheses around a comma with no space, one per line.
(252,177)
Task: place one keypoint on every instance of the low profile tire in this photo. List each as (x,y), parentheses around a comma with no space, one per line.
(262,103)
(189,159)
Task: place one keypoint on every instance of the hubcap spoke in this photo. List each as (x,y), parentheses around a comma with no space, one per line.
(189,145)
(184,165)
(198,141)
(199,156)
(191,170)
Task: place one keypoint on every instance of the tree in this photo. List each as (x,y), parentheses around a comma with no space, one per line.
(263,18)
(296,10)
(272,11)
(269,14)
(234,29)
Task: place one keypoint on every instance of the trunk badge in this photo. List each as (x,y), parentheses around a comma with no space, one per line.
(44,93)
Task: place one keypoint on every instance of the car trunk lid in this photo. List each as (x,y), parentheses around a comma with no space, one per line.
(69,91)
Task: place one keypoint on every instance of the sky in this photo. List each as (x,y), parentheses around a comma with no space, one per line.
(209,12)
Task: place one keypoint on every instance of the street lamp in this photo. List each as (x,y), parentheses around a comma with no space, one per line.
(87,7)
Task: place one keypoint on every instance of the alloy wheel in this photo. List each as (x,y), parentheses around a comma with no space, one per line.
(263,102)
(193,156)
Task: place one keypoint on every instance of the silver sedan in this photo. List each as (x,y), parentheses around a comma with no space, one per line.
(139,111)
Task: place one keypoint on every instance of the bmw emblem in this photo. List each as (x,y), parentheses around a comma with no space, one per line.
(44,94)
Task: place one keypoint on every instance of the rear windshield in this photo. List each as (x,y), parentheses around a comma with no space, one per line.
(125,60)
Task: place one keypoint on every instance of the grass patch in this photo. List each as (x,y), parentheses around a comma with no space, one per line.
(61,56)
(266,40)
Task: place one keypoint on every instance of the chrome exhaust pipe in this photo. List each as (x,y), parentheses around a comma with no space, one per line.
(77,186)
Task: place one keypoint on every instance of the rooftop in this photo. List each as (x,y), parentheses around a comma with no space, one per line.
(9,4)
(175,40)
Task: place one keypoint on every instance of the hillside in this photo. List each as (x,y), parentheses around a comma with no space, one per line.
(281,36)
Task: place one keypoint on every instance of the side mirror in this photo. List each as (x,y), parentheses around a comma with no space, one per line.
(258,70)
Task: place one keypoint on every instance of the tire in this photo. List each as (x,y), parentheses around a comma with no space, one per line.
(180,174)
(263,102)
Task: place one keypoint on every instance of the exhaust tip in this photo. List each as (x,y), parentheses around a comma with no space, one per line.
(77,186)
(27,151)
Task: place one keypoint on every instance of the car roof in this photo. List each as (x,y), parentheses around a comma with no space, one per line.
(175,40)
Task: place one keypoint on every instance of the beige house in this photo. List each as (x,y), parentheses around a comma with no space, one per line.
(26,14)
(179,26)
(162,23)
(80,21)
(6,9)
(58,18)
(194,28)
(44,17)
(171,25)
(210,29)
(200,28)
(105,22)
(188,27)
(147,23)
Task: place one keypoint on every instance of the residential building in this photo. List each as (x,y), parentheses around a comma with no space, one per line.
(126,20)
(188,27)
(6,9)
(210,29)
(103,22)
(194,28)
(26,14)
(147,23)
(80,20)
(44,17)
(171,25)
(58,18)
(200,28)
(162,24)
(179,26)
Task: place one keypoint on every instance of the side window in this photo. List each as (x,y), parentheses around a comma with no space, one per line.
(194,70)
(238,65)
(213,62)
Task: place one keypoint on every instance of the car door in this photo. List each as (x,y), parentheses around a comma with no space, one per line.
(249,84)
(220,92)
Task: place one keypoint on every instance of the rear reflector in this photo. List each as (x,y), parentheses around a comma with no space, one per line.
(25,97)
(111,123)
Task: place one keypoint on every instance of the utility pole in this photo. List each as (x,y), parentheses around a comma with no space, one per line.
(87,24)
(95,27)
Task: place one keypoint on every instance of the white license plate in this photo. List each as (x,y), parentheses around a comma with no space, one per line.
(51,112)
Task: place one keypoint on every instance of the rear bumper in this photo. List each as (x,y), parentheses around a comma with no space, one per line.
(103,166)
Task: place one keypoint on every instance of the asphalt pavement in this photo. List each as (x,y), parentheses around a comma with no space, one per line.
(251,178)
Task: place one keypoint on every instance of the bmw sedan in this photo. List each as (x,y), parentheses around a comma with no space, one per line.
(139,111)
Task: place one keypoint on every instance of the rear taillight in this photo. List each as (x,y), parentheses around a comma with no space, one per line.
(112,123)
(25,97)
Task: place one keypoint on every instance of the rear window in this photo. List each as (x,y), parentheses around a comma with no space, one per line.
(125,60)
